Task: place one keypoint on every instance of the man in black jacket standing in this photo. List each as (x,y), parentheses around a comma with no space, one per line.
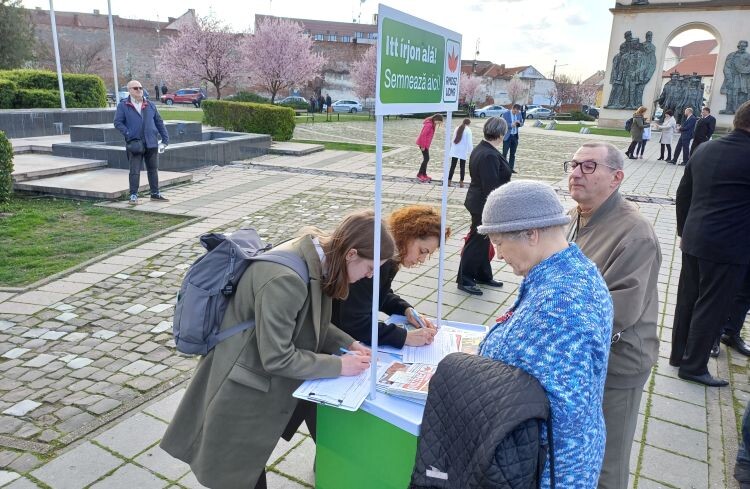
(704,129)
(686,134)
(713,216)
(488,170)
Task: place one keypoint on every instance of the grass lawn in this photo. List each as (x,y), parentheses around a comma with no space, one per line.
(181,115)
(335,117)
(594,130)
(364,148)
(41,237)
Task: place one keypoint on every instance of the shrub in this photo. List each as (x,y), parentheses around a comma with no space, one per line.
(577,115)
(249,97)
(36,99)
(7,93)
(6,169)
(295,105)
(250,117)
(80,90)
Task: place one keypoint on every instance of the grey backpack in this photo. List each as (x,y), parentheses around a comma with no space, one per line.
(212,280)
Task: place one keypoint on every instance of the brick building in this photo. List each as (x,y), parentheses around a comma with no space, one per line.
(85,44)
(495,78)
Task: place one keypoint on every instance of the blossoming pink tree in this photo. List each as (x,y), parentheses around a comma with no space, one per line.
(363,74)
(517,90)
(279,56)
(469,89)
(205,51)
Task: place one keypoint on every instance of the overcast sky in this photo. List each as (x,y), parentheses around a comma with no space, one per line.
(514,32)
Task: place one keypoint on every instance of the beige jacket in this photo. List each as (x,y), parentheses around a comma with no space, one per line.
(626,251)
(240,398)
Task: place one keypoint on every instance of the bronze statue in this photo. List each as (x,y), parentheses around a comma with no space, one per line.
(632,68)
(736,84)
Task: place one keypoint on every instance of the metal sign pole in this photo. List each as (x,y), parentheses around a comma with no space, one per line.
(57,55)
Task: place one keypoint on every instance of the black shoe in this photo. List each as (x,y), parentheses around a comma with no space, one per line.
(491,283)
(470,289)
(682,164)
(159,197)
(659,159)
(674,363)
(705,379)
(671,162)
(513,171)
(736,343)
(715,350)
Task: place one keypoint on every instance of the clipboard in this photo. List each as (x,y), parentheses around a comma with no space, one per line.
(347,393)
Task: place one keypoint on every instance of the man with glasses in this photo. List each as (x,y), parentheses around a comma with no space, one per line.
(612,233)
(140,124)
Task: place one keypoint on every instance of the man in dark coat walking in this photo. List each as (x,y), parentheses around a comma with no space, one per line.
(704,129)
(713,216)
(687,128)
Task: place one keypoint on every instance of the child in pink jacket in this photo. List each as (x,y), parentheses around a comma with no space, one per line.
(424,141)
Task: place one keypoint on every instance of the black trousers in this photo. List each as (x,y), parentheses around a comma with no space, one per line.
(641,147)
(425,159)
(453,168)
(684,146)
(151,158)
(475,258)
(510,144)
(704,297)
(697,142)
(669,151)
(739,309)
(631,149)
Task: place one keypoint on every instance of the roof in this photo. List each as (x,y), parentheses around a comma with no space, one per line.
(703,65)
(594,79)
(694,48)
(490,69)
(325,26)
(83,20)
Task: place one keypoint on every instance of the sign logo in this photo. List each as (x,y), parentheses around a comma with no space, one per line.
(452,70)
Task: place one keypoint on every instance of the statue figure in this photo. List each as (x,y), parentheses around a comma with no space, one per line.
(680,98)
(666,99)
(639,2)
(695,93)
(736,84)
(632,68)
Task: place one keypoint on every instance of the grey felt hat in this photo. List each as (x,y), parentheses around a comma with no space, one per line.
(522,204)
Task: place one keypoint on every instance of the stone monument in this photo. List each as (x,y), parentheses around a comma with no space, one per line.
(736,84)
(632,68)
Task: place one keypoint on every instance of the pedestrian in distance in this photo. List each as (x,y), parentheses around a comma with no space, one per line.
(687,128)
(424,140)
(140,124)
(667,134)
(461,147)
(704,129)
(515,120)
(488,170)
(239,400)
(416,231)
(636,131)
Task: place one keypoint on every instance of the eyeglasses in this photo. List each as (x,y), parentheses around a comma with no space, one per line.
(136,88)
(587,167)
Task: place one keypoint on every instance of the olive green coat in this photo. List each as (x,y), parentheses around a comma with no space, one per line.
(240,398)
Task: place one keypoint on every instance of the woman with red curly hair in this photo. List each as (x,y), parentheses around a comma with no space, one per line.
(416,231)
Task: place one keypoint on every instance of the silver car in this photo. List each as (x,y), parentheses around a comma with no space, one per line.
(490,111)
(539,113)
(351,106)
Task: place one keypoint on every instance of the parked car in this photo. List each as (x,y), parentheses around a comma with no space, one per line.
(293,99)
(593,112)
(490,111)
(184,96)
(123,92)
(539,113)
(347,106)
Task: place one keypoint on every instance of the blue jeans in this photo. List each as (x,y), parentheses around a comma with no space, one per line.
(742,467)
(151,158)
(510,144)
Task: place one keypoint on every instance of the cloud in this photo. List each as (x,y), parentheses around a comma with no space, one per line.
(538,26)
(576,19)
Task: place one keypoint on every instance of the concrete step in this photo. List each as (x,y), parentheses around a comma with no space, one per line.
(108,183)
(294,149)
(33,166)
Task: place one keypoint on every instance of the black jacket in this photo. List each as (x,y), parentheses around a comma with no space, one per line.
(488,170)
(704,128)
(481,427)
(713,201)
(354,315)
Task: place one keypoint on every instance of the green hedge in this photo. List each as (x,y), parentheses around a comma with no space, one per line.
(81,91)
(295,105)
(580,116)
(249,97)
(250,117)
(6,169)
(7,93)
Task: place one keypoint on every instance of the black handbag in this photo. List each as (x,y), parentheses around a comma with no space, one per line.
(136,146)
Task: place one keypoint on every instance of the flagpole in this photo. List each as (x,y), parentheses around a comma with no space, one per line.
(57,55)
(114,56)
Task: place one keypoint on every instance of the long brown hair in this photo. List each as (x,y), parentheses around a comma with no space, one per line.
(460,130)
(356,232)
(415,222)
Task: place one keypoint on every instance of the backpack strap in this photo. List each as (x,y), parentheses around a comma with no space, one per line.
(288,259)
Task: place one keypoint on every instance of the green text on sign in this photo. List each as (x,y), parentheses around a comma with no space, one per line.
(412,62)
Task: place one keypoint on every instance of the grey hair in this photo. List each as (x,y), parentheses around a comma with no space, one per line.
(614,158)
(495,128)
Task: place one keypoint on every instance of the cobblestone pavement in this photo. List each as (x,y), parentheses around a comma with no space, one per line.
(89,376)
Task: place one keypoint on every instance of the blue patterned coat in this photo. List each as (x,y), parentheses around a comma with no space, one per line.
(559,331)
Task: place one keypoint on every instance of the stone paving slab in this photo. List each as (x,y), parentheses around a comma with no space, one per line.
(77,468)
(32,166)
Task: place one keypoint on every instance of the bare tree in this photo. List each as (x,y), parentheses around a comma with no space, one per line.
(74,57)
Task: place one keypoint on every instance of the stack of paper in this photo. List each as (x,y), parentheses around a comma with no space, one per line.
(407,381)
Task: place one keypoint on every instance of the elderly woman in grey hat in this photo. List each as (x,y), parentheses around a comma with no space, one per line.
(559,328)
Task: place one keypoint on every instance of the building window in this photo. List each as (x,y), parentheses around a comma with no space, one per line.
(372,35)
(332,37)
(318,37)
(346,38)
(359,35)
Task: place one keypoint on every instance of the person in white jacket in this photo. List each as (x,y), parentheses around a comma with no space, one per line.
(461,147)
(667,133)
